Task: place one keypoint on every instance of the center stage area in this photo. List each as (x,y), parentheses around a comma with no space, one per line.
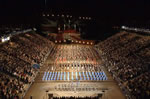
(74,70)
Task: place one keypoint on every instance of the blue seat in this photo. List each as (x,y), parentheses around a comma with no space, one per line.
(58,76)
(98,73)
(44,76)
(55,76)
(72,76)
(61,76)
(68,75)
(76,75)
(93,75)
(46,79)
(64,75)
(97,78)
(80,75)
(100,77)
(106,78)
(49,75)
(52,76)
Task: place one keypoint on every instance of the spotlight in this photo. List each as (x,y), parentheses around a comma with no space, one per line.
(123,27)
(52,15)
(62,15)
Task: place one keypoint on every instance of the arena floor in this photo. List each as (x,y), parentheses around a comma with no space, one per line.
(43,88)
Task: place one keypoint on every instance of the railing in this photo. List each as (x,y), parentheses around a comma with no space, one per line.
(136,29)
(8,36)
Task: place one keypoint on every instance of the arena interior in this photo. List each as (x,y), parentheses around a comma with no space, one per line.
(69,55)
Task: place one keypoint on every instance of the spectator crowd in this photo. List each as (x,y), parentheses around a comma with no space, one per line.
(17,57)
(127,56)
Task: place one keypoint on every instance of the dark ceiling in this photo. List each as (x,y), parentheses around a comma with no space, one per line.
(112,10)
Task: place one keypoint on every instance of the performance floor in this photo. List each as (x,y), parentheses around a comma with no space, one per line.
(74,70)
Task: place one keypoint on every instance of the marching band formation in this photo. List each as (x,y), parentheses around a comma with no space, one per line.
(82,76)
(74,54)
(75,63)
